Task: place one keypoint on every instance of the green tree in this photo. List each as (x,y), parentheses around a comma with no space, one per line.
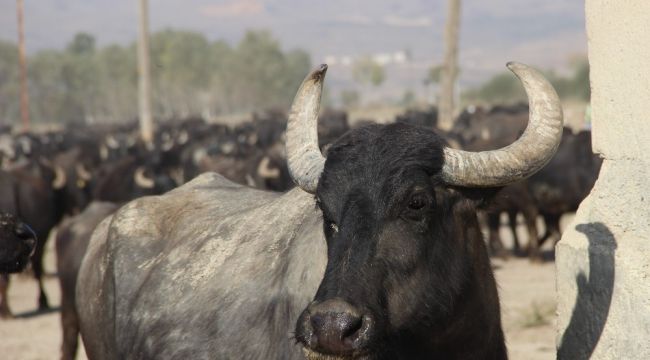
(191,76)
(261,75)
(350,98)
(80,72)
(434,75)
(502,88)
(118,79)
(50,95)
(180,71)
(366,71)
(408,99)
(505,88)
(9,83)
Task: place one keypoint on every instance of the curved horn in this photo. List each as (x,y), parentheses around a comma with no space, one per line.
(266,171)
(60,178)
(304,158)
(524,157)
(141,180)
(82,172)
(112,142)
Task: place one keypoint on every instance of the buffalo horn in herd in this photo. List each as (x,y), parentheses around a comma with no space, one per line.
(142,180)
(265,170)
(82,172)
(60,178)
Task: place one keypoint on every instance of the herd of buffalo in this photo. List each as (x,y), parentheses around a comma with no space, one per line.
(350,242)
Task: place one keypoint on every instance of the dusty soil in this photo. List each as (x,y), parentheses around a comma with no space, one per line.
(527,302)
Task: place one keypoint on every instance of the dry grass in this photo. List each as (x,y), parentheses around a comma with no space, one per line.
(538,314)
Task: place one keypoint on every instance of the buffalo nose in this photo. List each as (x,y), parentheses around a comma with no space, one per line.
(336,327)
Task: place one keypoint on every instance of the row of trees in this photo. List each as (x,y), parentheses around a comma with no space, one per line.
(194,76)
(191,75)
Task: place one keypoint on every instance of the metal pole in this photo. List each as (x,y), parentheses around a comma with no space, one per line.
(24,96)
(144,78)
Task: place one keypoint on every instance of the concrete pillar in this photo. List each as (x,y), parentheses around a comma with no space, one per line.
(603,259)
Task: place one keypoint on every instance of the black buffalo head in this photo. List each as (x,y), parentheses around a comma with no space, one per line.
(399,216)
(17,243)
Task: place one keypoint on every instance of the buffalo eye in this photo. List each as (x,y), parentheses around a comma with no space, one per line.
(334,227)
(417,201)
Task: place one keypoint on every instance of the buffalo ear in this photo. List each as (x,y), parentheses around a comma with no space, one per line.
(480,197)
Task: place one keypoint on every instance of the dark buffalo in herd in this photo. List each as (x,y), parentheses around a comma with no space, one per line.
(556,189)
(72,239)
(376,254)
(17,242)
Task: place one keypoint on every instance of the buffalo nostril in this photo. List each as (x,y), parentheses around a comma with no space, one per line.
(341,324)
(337,328)
(317,321)
(351,327)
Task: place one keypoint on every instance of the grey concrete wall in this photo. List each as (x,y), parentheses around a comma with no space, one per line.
(603,259)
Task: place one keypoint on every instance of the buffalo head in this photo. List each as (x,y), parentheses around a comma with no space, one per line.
(17,243)
(405,254)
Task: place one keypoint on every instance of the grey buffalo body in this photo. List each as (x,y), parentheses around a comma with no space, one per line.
(211,270)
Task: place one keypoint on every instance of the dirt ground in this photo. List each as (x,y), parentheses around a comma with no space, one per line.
(527,294)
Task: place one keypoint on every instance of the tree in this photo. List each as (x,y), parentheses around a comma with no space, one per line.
(191,76)
(82,44)
(434,75)
(9,83)
(117,75)
(450,66)
(350,99)
(408,98)
(368,72)
(180,71)
(504,88)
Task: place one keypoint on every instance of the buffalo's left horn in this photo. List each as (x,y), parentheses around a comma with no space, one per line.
(304,158)
(82,172)
(524,157)
(60,178)
(142,180)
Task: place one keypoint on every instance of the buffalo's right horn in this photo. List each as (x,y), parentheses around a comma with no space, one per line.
(142,180)
(304,158)
(524,157)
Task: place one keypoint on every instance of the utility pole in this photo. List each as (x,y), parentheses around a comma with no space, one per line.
(24,96)
(144,76)
(450,66)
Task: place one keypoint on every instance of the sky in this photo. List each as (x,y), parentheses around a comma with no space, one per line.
(543,33)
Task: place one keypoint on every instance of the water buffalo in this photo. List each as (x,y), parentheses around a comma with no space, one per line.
(17,242)
(72,239)
(31,192)
(562,185)
(377,254)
